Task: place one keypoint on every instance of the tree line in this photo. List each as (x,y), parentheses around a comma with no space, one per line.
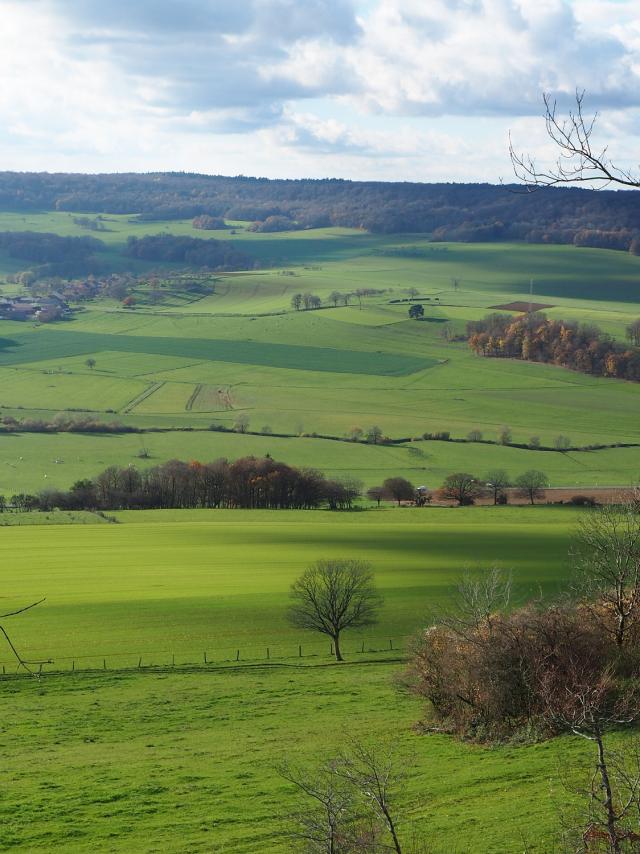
(247,483)
(467,212)
(536,338)
(263,483)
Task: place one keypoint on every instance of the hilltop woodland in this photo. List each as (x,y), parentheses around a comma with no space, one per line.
(452,212)
(535,338)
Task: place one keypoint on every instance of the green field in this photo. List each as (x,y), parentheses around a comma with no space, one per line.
(242,350)
(30,462)
(180,755)
(185,758)
(164,582)
(186,762)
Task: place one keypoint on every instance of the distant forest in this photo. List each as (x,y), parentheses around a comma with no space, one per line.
(456,212)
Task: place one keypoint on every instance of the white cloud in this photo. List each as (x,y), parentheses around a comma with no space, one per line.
(402,89)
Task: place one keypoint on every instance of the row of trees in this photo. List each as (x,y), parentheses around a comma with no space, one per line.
(248,482)
(252,482)
(463,488)
(534,337)
(311,301)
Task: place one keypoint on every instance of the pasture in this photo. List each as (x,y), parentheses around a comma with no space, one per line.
(163,760)
(30,462)
(173,762)
(163,582)
(169,758)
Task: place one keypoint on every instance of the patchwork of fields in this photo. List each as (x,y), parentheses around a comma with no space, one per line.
(184,758)
(243,351)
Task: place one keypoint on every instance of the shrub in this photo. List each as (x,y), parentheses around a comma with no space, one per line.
(582,501)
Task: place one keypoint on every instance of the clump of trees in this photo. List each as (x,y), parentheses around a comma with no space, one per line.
(533,337)
(305,301)
(274,223)
(192,251)
(206,222)
(397,489)
(52,254)
(249,482)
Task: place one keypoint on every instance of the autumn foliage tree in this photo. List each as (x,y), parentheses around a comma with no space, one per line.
(535,338)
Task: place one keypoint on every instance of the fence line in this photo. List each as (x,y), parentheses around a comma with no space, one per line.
(229,656)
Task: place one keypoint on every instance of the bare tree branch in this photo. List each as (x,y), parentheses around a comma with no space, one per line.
(22,662)
(578,162)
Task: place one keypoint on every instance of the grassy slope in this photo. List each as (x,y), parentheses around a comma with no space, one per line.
(182,582)
(30,462)
(150,763)
(168,761)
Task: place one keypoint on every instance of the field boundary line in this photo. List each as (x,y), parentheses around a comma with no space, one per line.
(137,400)
(193,397)
(152,669)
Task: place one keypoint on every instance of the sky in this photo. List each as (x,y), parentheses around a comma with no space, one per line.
(390,90)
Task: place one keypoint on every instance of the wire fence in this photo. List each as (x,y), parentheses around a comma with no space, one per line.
(228,656)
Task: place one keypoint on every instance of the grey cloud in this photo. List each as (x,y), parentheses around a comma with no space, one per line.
(211,55)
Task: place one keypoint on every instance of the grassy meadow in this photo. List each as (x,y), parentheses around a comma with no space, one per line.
(163,762)
(163,582)
(185,759)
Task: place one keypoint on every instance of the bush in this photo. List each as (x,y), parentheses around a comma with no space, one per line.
(490,674)
(582,501)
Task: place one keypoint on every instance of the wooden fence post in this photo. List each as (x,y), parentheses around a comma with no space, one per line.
(104,663)
(300,651)
(238,655)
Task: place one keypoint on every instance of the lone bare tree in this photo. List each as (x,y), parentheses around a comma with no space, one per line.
(578,162)
(606,556)
(374,773)
(323,825)
(351,801)
(334,595)
(22,662)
